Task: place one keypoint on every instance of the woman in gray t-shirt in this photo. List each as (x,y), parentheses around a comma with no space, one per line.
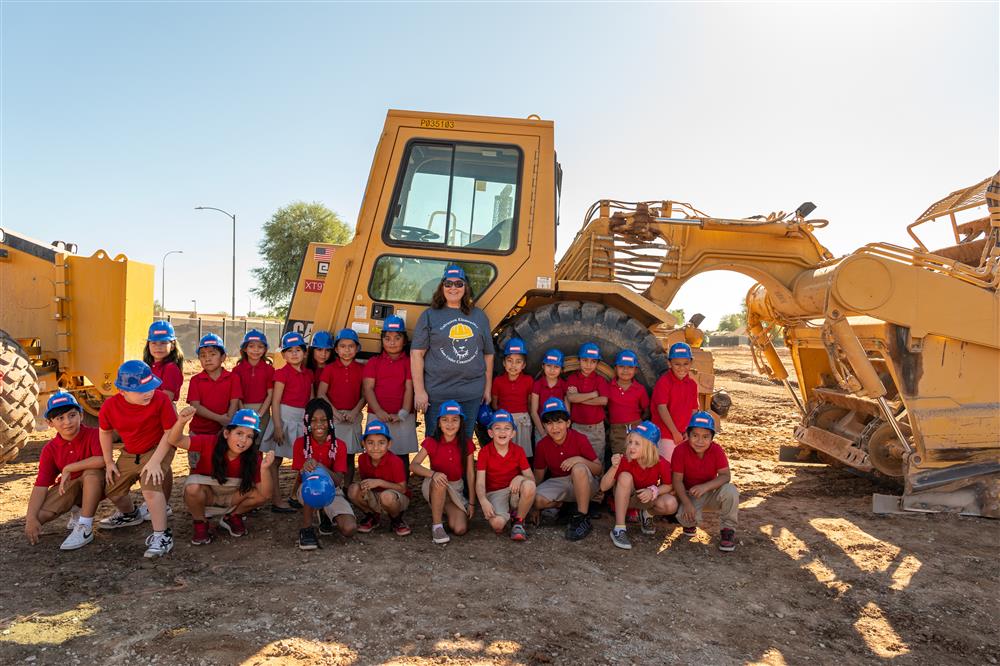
(451,356)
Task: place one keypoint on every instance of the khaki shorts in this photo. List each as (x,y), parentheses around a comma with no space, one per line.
(618,435)
(338,507)
(130,465)
(454,492)
(634,503)
(503,501)
(371,499)
(560,488)
(595,435)
(60,504)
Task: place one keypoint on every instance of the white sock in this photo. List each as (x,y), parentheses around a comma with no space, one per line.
(619,528)
(85,522)
(157,535)
(436,525)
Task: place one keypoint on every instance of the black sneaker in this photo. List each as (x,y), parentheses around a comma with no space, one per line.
(325,524)
(307,539)
(294,503)
(579,527)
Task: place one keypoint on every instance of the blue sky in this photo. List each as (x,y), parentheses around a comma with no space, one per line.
(119,118)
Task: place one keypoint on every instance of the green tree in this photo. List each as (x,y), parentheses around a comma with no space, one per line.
(731,322)
(286,236)
(679,314)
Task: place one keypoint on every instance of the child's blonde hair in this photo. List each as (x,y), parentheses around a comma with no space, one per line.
(648,453)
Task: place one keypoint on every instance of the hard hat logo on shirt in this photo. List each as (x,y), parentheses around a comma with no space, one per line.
(463,347)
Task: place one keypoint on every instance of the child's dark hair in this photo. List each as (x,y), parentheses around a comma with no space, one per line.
(59,411)
(461,441)
(248,460)
(315,405)
(555,416)
(311,360)
(243,356)
(406,340)
(176,355)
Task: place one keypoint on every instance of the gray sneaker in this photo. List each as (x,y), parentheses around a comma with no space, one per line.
(158,547)
(439,535)
(119,519)
(646,523)
(620,539)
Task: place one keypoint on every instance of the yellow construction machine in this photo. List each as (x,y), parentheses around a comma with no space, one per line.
(896,351)
(66,321)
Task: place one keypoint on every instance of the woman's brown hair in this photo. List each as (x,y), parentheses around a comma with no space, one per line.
(438,301)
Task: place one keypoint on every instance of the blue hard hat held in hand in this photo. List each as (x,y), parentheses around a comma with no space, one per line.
(322,340)
(135,376)
(484,416)
(317,488)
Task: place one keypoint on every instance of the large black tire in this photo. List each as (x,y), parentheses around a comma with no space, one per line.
(18,397)
(569,324)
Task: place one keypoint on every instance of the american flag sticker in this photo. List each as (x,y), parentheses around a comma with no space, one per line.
(323,254)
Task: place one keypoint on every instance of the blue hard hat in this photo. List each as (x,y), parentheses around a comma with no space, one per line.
(450,408)
(394,323)
(515,346)
(292,339)
(136,376)
(317,488)
(553,357)
(648,430)
(211,340)
(627,358)
(376,427)
(454,272)
(590,350)
(246,418)
(161,331)
(680,350)
(501,416)
(484,416)
(61,399)
(553,405)
(322,340)
(702,420)
(253,335)
(347,334)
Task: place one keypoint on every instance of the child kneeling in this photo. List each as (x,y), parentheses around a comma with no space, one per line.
(319,448)
(642,480)
(504,484)
(382,488)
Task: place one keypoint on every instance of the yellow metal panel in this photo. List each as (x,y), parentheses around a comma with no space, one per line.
(618,296)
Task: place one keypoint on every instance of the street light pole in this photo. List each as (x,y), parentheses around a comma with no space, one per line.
(194,302)
(233,216)
(163,279)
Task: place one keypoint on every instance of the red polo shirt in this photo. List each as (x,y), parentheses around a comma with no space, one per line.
(331,453)
(549,455)
(214,395)
(390,468)
(343,383)
(58,453)
(390,377)
(170,375)
(140,426)
(204,447)
(698,470)
(298,385)
(255,380)
(627,405)
(681,398)
(644,477)
(446,457)
(587,414)
(501,470)
(542,389)
(514,396)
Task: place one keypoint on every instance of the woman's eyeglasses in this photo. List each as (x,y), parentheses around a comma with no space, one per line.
(454,284)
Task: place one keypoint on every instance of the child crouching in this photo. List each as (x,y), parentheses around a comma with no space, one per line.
(382,488)
(504,483)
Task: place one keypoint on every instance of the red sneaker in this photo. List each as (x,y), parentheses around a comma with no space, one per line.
(202,535)
(369,522)
(727,542)
(233,523)
(400,527)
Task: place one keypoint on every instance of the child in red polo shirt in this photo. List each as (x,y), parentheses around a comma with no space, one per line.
(225,477)
(702,481)
(388,389)
(214,392)
(642,480)
(449,461)
(504,484)
(141,415)
(675,399)
(70,477)
(382,488)
(628,401)
(512,392)
(164,357)
(549,385)
(319,448)
(341,386)
(587,393)
(569,461)
(256,375)
(293,386)
(318,356)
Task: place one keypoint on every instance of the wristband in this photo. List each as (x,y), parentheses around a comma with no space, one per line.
(655,490)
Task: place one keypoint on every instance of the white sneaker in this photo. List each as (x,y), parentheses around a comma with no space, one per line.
(144,511)
(159,547)
(119,519)
(74,516)
(78,538)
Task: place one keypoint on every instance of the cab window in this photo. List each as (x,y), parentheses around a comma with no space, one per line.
(458,196)
(399,279)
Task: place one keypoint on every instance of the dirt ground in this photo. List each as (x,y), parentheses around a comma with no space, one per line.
(816,578)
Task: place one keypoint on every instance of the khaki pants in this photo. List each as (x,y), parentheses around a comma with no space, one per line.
(619,433)
(130,465)
(60,504)
(725,500)
(595,435)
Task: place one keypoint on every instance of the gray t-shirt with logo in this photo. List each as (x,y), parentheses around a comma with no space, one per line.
(456,344)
